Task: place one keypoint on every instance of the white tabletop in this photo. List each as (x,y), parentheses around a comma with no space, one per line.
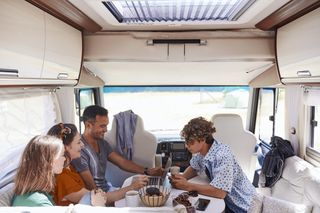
(215,205)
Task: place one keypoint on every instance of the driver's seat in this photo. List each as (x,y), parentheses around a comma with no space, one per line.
(145,146)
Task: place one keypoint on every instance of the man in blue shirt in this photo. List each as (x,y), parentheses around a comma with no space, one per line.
(227,180)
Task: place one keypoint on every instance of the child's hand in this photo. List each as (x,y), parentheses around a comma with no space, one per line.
(98,198)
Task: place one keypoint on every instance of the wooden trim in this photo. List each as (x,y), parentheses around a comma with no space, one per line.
(67,12)
(287,13)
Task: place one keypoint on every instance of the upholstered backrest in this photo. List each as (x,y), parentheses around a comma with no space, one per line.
(230,131)
(144,144)
(312,189)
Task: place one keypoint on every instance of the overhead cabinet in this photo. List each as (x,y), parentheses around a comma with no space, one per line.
(37,46)
(126,47)
(63,50)
(22,39)
(298,49)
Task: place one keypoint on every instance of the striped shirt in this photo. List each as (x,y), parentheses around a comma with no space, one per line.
(95,162)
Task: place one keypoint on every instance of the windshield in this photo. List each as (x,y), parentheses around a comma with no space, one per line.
(166,109)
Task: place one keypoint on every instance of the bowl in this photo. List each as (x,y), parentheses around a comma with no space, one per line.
(155,200)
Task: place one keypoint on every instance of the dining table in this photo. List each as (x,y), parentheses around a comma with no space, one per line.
(216,205)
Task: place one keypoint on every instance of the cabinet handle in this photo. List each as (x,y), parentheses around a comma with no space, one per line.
(9,72)
(304,73)
(63,75)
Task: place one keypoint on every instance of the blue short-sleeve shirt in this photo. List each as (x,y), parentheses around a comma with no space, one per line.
(226,174)
(95,162)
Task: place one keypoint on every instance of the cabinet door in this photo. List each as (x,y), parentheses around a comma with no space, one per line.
(21,38)
(63,50)
(221,49)
(298,49)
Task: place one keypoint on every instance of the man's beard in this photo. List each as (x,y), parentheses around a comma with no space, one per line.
(98,137)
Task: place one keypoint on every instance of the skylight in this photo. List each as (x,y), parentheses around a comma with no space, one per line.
(137,11)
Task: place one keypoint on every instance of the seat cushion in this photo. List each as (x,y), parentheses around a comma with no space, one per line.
(316,209)
(274,205)
(256,203)
(312,189)
(285,190)
(264,191)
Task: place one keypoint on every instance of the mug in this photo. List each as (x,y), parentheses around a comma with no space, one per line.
(132,198)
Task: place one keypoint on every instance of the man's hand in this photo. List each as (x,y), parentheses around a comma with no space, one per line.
(179,182)
(139,181)
(157,171)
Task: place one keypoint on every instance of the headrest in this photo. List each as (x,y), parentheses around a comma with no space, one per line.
(232,121)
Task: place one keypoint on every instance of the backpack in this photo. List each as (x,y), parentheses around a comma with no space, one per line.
(273,164)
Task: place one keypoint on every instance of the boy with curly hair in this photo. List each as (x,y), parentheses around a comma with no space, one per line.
(227,180)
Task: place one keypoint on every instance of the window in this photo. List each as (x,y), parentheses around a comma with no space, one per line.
(315,131)
(166,109)
(264,124)
(270,115)
(279,124)
(312,103)
(24,114)
(139,11)
(84,98)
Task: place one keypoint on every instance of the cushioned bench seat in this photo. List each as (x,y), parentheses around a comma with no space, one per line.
(298,189)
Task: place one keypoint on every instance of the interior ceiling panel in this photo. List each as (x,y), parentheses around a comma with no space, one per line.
(178,73)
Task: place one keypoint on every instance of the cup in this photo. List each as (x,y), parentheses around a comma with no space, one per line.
(175,170)
(132,198)
(158,160)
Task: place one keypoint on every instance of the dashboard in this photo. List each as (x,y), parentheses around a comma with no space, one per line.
(177,151)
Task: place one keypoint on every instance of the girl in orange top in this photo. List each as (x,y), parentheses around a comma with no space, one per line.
(70,187)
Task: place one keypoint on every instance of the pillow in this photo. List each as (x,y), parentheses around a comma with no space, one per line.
(256,203)
(6,195)
(296,171)
(79,208)
(27,209)
(274,205)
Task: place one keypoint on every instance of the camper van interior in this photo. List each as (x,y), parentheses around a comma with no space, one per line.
(252,67)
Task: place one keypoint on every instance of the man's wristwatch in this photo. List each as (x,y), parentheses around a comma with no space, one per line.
(145,171)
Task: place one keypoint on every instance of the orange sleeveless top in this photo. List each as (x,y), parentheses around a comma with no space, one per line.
(67,182)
